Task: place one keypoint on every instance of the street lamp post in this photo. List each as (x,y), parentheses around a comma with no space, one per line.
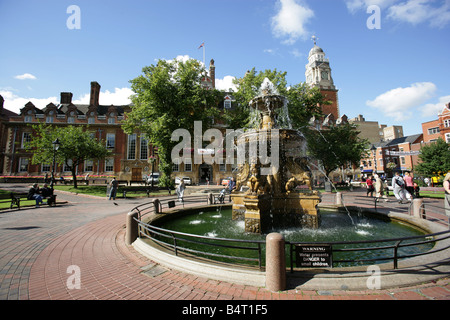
(56,145)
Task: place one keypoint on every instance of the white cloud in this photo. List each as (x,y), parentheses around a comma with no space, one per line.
(432,110)
(226,84)
(120,96)
(14,103)
(25,76)
(400,103)
(355,5)
(419,11)
(436,12)
(290,20)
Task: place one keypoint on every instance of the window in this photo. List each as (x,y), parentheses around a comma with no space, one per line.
(45,167)
(222,167)
(188,164)
(91,120)
(26,137)
(28,119)
(402,160)
(227,104)
(176,166)
(447,137)
(447,123)
(23,164)
(111,120)
(70,119)
(110,140)
(109,165)
(49,119)
(66,167)
(132,146)
(433,130)
(144,148)
(89,166)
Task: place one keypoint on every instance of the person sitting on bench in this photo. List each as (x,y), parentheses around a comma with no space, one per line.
(33,194)
(47,193)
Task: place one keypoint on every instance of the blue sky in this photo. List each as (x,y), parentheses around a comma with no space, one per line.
(396,75)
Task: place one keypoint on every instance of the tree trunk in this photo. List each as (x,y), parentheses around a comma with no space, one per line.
(74,177)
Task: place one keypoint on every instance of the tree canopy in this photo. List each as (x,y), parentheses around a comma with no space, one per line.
(170,96)
(76,146)
(434,158)
(336,146)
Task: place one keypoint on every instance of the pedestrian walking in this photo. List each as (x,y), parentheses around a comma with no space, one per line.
(180,190)
(379,188)
(409,183)
(370,186)
(399,188)
(447,194)
(114,184)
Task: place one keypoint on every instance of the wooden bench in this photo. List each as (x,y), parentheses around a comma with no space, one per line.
(13,197)
(136,189)
(70,181)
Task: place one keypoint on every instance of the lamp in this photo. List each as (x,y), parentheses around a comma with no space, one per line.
(56,145)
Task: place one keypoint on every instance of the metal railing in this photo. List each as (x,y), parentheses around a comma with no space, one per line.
(177,241)
(395,257)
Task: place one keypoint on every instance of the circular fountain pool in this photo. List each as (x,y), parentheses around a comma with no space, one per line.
(335,227)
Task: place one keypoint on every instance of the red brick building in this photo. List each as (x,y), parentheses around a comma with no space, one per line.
(318,74)
(130,154)
(439,128)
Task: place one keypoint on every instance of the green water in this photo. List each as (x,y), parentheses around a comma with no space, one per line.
(335,227)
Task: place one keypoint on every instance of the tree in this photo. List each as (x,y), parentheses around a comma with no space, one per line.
(434,158)
(76,146)
(303,102)
(170,96)
(336,146)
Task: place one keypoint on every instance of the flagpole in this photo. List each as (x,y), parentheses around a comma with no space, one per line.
(204,55)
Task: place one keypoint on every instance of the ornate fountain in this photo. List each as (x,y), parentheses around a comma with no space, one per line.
(277,193)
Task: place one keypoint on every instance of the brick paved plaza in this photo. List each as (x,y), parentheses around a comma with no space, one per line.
(38,245)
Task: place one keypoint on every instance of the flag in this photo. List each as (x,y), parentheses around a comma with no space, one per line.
(202,45)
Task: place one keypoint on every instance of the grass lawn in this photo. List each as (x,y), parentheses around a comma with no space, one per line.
(6,203)
(100,191)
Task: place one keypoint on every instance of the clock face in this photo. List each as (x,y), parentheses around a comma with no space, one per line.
(324,75)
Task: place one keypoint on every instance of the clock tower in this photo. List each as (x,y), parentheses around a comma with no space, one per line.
(318,74)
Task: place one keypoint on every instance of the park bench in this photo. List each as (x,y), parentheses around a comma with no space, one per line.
(13,197)
(136,189)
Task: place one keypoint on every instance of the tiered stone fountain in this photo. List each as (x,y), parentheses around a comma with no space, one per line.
(274,196)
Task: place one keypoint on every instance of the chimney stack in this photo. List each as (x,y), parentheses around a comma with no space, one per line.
(95,94)
(66,97)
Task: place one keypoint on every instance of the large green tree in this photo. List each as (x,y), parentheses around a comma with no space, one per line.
(336,146)
(76,146)
(434,158)
(170,96)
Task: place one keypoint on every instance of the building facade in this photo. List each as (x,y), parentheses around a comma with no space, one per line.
(438,128)
(318,74)
(130,155)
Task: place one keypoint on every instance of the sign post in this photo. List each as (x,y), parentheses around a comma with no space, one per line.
(314,256)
